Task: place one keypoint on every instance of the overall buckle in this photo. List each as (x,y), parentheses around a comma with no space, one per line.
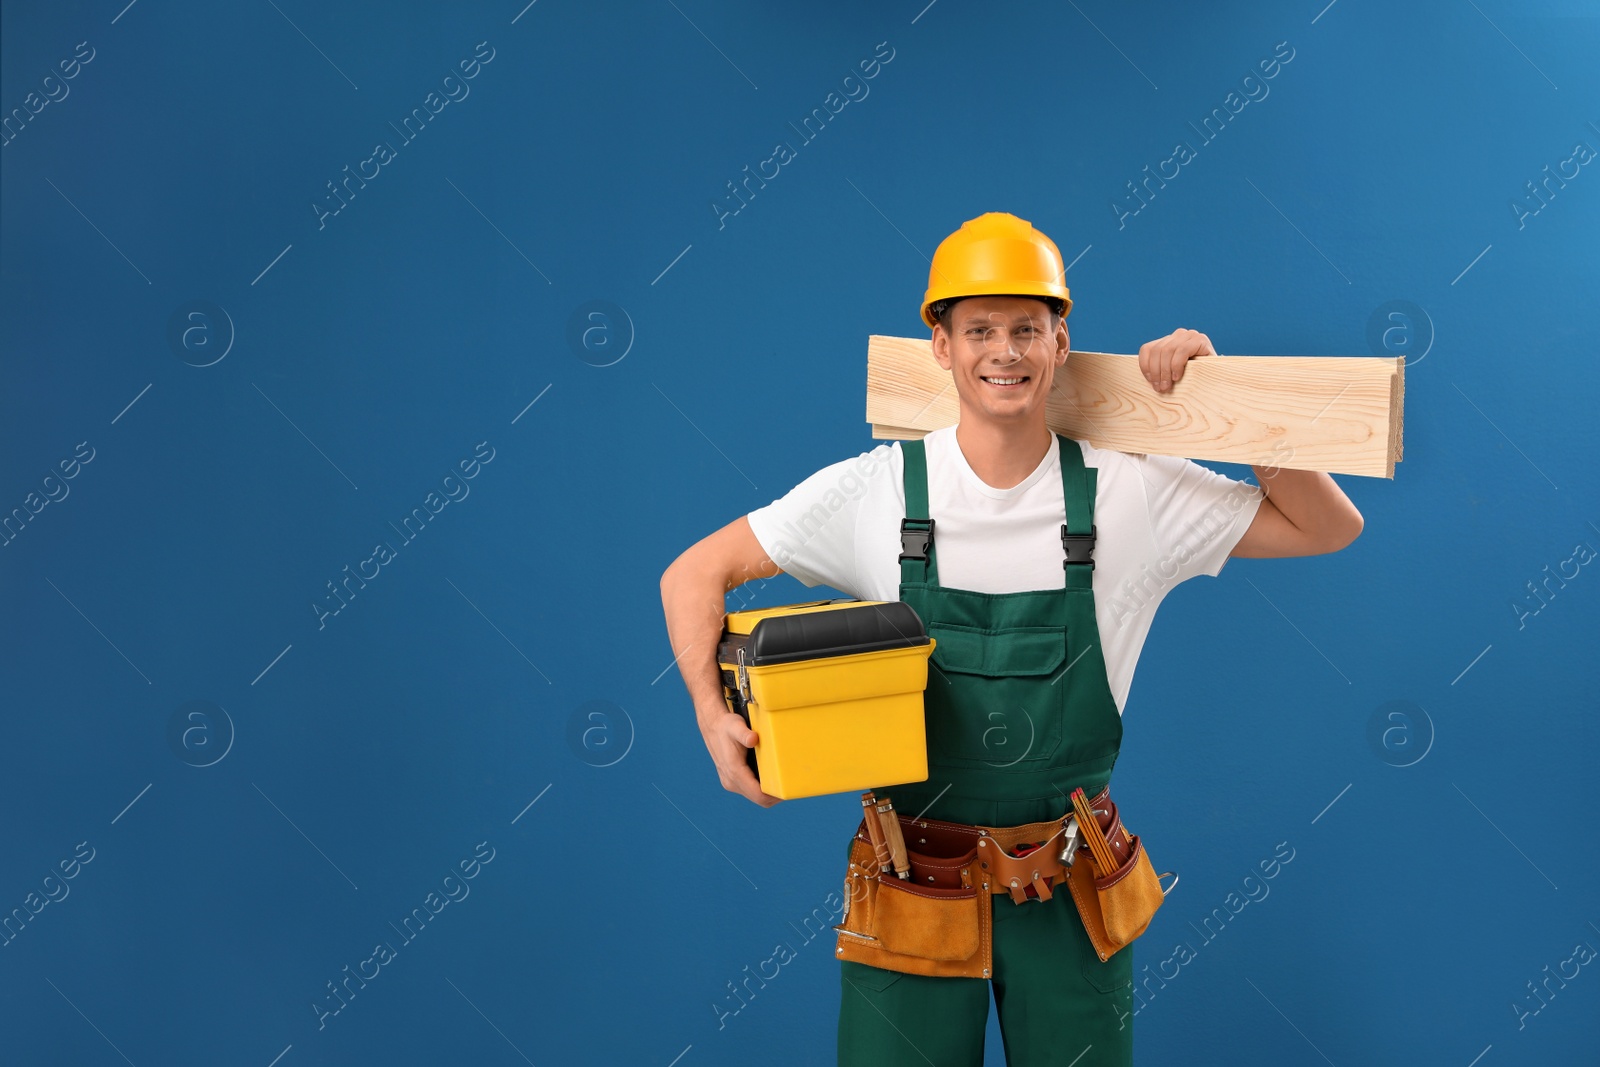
(916,537)
(1077,548)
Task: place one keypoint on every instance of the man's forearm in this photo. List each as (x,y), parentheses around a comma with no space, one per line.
(694,606)
(1313,502)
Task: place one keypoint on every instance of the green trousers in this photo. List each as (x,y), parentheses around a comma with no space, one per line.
(1058,1004)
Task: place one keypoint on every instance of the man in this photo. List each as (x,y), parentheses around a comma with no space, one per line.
(1025,694)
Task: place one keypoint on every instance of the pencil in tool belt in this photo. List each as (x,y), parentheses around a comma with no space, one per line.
(1099,847)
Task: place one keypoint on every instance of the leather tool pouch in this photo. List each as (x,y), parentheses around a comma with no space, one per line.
(937,922)
(1116,906)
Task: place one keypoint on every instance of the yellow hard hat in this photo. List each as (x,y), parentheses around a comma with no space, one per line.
(996,254)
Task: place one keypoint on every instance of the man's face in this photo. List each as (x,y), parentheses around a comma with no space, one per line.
(993,342)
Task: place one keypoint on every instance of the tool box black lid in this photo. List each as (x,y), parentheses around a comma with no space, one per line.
(867,627)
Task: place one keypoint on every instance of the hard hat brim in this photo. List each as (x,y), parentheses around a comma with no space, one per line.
(999,288)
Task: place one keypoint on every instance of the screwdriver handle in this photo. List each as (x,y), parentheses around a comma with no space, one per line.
(880,844)
(896,839)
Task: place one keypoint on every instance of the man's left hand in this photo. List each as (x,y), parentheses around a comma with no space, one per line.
(1162,361)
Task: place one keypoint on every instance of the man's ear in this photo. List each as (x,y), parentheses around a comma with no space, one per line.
(941,347)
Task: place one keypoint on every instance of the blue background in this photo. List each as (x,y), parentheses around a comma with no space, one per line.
(514,654)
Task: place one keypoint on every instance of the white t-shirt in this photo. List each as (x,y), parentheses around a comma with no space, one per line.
(1159,520)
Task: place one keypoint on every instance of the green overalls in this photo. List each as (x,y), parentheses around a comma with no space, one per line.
(1019,713)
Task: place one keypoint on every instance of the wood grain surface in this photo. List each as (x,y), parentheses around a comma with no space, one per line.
(1340,414)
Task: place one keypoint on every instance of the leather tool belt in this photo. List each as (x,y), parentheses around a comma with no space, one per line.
(919,893)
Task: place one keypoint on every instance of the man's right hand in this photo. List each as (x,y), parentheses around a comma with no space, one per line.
(693,595)
(728,739)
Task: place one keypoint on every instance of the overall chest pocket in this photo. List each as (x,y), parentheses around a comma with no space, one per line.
(994,697)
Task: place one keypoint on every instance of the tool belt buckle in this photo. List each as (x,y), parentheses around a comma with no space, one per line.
(1038,889)
(1013,872)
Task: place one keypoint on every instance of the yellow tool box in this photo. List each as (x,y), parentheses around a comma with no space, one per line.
(833,690)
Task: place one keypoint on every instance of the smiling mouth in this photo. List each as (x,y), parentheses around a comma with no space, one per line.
(999,382)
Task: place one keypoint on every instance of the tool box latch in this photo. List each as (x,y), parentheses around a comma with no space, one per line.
(742,674)
(1079,548)
(916,537)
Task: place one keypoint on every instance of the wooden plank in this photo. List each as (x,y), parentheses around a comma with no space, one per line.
(894,433)
(1341,414)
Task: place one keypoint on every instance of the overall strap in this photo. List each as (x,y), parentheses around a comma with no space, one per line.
(1078,484)
(916,529)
